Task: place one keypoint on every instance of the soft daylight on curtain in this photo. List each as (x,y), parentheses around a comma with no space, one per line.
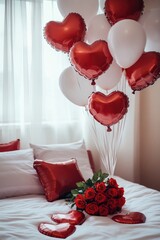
(32,106)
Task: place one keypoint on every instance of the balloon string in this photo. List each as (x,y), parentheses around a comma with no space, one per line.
(106,143)
(94,88)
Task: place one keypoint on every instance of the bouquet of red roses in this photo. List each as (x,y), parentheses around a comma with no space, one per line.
(100,195)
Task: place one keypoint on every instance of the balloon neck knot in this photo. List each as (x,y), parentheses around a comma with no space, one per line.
(93,82)
(109,129)
(133,92)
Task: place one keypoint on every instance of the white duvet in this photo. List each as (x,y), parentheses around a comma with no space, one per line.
(20,217)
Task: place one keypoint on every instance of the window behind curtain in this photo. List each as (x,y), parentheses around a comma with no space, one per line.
(32,106)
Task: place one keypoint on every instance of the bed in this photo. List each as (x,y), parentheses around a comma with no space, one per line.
(23,204)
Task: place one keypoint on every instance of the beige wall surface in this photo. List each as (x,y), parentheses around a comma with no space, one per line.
(139,153)
(150,136)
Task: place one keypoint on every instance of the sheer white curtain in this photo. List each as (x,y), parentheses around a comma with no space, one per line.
(32,106)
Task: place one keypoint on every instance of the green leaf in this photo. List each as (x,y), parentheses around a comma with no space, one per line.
(99,176)
(89,183)
(74,192)
(95,177)
(105,175)
(72,205)
(100,173)
(80,184)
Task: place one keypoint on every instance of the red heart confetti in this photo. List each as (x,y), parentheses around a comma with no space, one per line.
(73,217)
(61,230)
(130,218)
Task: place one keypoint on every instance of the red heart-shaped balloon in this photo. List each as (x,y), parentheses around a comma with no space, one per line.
(91,60)
(62,35)
(73,217)
(130,218)
(116,10)
(109,109)
(144,72)
(61,230)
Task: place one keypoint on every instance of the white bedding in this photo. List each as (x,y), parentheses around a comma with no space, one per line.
(20,217)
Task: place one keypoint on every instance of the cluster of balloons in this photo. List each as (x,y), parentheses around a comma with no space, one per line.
(102,46)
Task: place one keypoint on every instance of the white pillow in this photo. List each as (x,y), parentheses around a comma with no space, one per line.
(64,152)
(17,175)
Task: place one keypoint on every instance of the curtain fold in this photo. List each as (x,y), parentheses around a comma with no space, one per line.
(32,106)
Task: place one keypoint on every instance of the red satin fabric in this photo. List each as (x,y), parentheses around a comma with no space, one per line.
(91,60)
(108,109)
(62,35)
(58,178)
(10,146)
(116,10)
(144,72)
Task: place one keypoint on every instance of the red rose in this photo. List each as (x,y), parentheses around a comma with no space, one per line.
(103,210)
(112,205)
(120,192)
(80,202)
(92,208)
(100,198)
(121,201)
(80,196)
(100,187)
(112,192)
(113,183)
(89,193)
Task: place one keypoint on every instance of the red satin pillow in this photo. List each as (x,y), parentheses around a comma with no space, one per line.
(58,178)
(10,146)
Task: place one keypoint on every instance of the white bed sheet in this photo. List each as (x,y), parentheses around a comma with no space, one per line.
(20,217)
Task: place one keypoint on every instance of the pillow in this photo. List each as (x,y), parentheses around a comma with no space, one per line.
(17,175)
(57,178)
(10,146)
(63,152)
